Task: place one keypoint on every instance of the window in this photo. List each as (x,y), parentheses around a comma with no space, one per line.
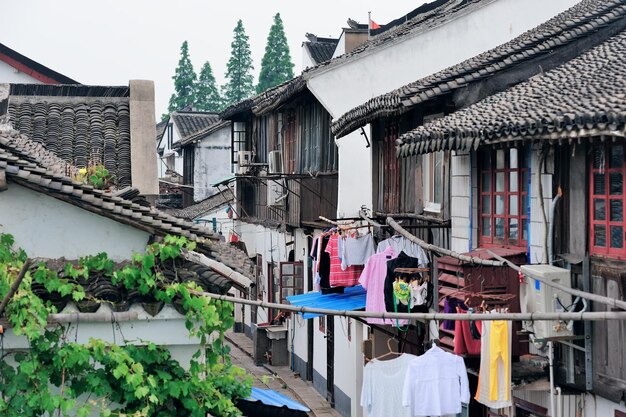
(432,165)
(239,140)
(170,135)
(291,279)
(607,200)
(503,197)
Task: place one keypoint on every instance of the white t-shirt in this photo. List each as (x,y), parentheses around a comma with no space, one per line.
(356,250)
(436,384)
(381,395)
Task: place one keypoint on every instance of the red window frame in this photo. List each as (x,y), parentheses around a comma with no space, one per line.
(503,201)
(291,280)
(607,200)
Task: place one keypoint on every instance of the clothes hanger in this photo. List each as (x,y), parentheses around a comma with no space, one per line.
(391,351)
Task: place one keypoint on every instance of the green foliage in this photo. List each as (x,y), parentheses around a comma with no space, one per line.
(207,95)
(239,83)
(58,377)
(276,66)
(184,82)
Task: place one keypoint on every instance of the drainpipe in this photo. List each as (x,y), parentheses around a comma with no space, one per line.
(559,406)
(555,200)
(551,362)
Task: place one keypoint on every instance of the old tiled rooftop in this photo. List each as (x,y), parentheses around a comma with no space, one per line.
(585,97)
(191,122)
(25,163)
(320,49)
(80,124)
(204,206)
(584,19)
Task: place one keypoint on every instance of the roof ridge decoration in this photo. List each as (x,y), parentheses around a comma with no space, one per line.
(583,98)
(22,166)
(577,22)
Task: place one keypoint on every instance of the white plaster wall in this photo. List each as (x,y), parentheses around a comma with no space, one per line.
(211,163)
(598,406)
(342,87)
(349,361)
(319,349)
(537,225)
(49,228)
(298,342)
(8,74)
(341,46)
(461,202)
(355,174)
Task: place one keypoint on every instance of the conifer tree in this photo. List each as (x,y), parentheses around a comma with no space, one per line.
(276,66)
(239,82)
(207,96)
(184,82)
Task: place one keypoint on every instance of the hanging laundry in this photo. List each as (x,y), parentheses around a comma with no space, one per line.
(401,261)
(464,342)
(323,260)
(339,277)
(381,394)
(449,306)
(373,280)
(357,250)
(436,384)
(494,378)
(402,244)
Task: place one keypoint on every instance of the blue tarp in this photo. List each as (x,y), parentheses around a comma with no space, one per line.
(353,298)
(275,399)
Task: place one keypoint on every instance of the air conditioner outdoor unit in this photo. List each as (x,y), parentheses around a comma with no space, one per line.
(244,159)
(535,296)
(276,193)
(275,160)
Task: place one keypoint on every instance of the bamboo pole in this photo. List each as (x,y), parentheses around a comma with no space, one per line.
(441,251)
(611,302)
(590,316)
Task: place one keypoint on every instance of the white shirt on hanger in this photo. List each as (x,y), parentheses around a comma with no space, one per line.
(381,394)
(436,384)
(402,244)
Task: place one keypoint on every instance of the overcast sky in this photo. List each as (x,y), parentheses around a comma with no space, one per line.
(110,42)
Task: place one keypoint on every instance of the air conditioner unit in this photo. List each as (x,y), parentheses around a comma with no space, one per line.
(276,193)
(535,296)
(244,159)
(275,160)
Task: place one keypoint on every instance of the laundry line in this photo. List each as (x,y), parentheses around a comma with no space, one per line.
(537,316)
(500,261)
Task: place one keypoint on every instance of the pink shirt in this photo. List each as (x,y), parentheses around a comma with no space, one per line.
(373,280)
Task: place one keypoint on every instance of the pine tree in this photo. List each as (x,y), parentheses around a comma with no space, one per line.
(184,82)
(276,66)
(207,96)
(239,83)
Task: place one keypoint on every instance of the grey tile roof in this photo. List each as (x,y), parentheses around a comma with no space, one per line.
(219,124)
(268,100)
(584,19)
(585,97)
(99,287)
(160,129)
(191,122)
(27,167)
(206,205)
(320,49)
(80,124)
